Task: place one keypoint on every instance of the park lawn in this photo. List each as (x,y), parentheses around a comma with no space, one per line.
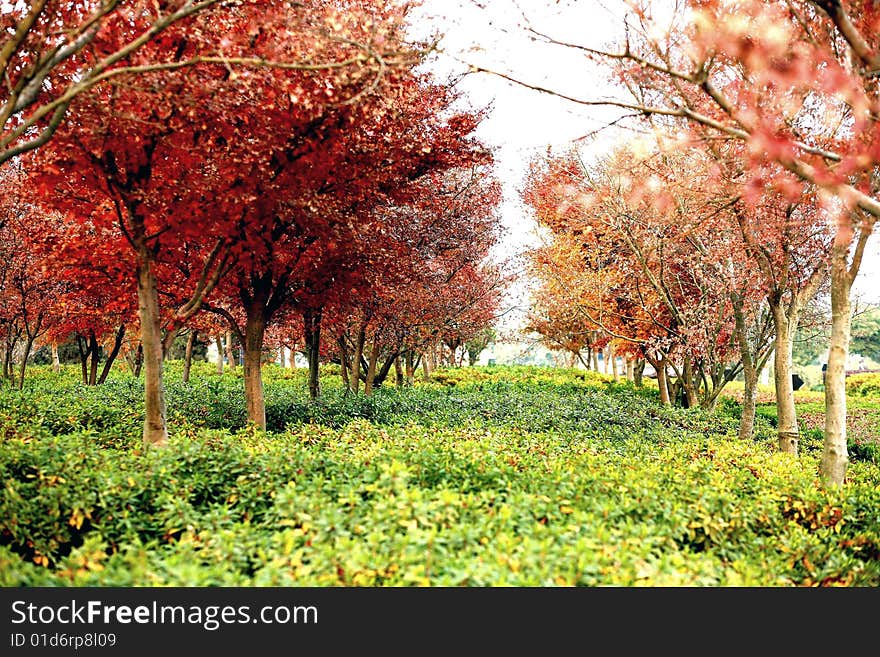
(481,477)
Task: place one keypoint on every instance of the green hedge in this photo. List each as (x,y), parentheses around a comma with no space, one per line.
(863,385)
(534,479)
(368,505)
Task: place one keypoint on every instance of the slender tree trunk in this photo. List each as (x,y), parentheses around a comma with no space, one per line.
(188,356)
(383,371)
(639,372)
(312,320)
(662,382)
(7,365)
(230,351)
(56,361)
(254,333)
(613,358)
(398,372)
(358,357)
(410,367)
(786,423)
(595,359)
(429,360)
(155,429)
(28,345)
(138,360)
(114,352)
(750,372)
(219,342)
(343,362)
(282,356)
(690,389)
(630,368)
(82,350)
(95,350)
(371,367)
(834,456)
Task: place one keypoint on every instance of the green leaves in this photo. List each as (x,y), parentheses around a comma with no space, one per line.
(523,484)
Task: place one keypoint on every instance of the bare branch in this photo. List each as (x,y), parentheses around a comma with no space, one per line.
(835,11)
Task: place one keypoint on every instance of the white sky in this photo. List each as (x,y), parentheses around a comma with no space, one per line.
(523,123)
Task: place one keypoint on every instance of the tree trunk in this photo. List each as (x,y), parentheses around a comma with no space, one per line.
(639,372)
(155,429)
(383,372)
(95,351)
(358,357)
(312,321)
(28,345)
(56,361)
(371,367)
(662,381)
(230,352)
(410,367)
(114,352)
(834,456)
(254,333)
(429,361)
(7,364)
(282,356)
(630,368)
(188,356)
(8,368)
(83,351)
(595,359)
(343,363)
(750,372)
(219,342)
(613,358)
(692,398)
(138,360)
(786,423)
(398,372)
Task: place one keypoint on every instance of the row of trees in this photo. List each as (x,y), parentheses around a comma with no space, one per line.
(283,171)
(779,105)
(663,255)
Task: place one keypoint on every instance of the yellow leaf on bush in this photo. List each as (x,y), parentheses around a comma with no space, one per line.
(76,519)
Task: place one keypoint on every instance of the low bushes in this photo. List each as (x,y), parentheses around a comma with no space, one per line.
(493,481)
(368,505)
(863,385)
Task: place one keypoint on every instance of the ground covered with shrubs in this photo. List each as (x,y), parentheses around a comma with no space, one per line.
(481,477)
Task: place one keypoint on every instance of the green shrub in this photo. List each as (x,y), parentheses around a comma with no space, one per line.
(536,479)
(863,385)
